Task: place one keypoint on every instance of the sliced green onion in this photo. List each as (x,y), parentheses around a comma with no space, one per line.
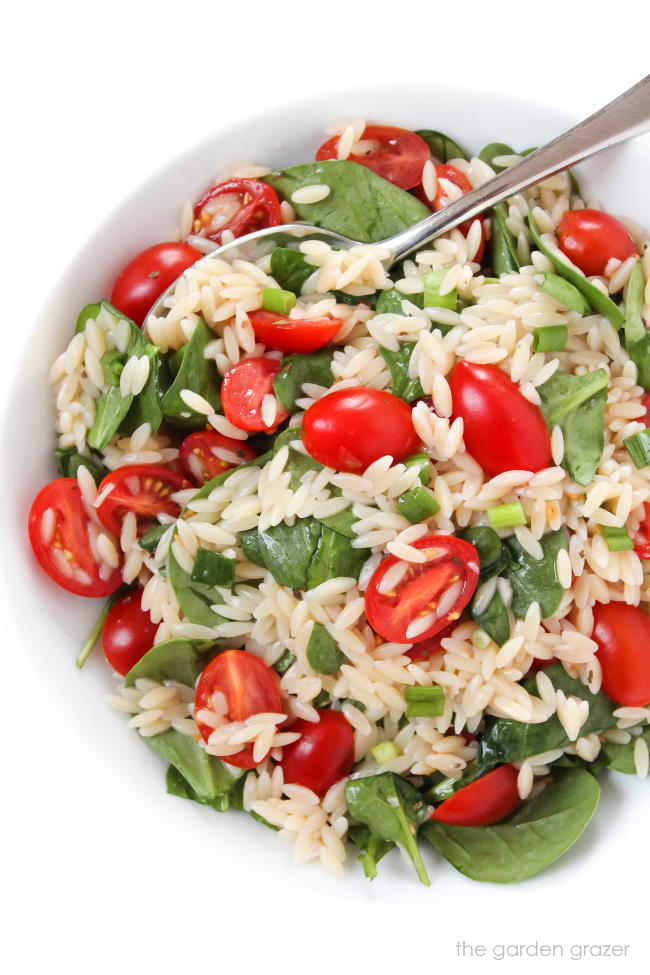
(566,293)
(507,515)
(431,706)
(96,631)
(432,296)
(385,752)
(277,300)
(638,447)
(418,693)
(322,700)
(418,504)
(618,539)
(422,462)
(550,338)
(480,639)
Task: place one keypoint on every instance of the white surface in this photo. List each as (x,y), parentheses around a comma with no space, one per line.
(105,872)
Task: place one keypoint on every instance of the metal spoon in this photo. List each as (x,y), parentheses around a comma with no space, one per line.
(624,118)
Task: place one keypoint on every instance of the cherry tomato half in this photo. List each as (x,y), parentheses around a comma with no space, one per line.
(425,649)
(483,802)
(322,755)
(622,633)
(453,175)
(503,431)
(145,278)
(293,334)
(128,632)
(431,594)
(199,455)
(237,205)
(350,428)
(395,154)
(58,532)
(590,238)
(145,489)
(243,390)
(250,687)
(642,537)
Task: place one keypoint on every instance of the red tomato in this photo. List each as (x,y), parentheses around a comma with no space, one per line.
(128,632)
(60,541)
(322,755)
(351,428)
(622,633)
(250,687)
(199,461)
(642,537)
(435,591)
(425,649)
(483,802)
(645,401)
(539,664)
(503,430)
(243,390)
(395,154)
(590,238)
(145,278)
(145,489)
(293,334)
(237,205)
(453,175)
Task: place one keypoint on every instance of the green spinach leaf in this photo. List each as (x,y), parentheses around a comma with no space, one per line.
(398,363)
(443,147)
(538,833)
(504,245)
(288,550)
(577,405)
(620,758)
(69,460)
(392,809)
(295,370)
(145,407)
(178,660)
(371,848)
(534,580)
(206,776)
(492,150)
(323,654)
(360,204)
(194,598)
(334,557)
(222,780)
(196,373)
(213,569)
(493,619)
(290,269)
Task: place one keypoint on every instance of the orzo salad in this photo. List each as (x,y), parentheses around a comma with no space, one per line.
(373,543)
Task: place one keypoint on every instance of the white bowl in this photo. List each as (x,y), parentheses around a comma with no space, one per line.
(52,635)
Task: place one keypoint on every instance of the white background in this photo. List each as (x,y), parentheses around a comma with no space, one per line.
(95,99)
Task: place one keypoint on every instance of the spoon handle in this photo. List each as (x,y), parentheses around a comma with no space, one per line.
(627,116)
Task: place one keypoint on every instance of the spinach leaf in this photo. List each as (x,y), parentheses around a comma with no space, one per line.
(196,373)
(213,569)
(323,654)
(150,539)
(111,410)
(637,339)
(494,560)
(538,833)
(398,362)
(145,407)
(286,660)
(342,522)
(620,758)
(194,598)
(334,557)
(298,369)
(577,405)
(534,580)
(69,460)
(371,848)
(297,464)
(443,147)
(445,788)
(600,302)
(206,775)
(88,311)
(343,298)
(252,546)
(390,302)
(288,550)
(360,204)
(493,149)
(489,547)
(290,269)
(178,660)
(494,619)
(506,740)
(222,780)
(392,809)
(504,245)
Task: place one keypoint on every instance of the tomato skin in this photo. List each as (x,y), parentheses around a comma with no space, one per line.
(398,155)
(483,802)
(453,562)
(322,755)
(503,431)
(590,238)
(622,633)
(198,462)
(642,537)
(453,175)
(259,207)
(425,649)
(156,484)
(645,402)
(243,389)
(63,497)
(128,632)
(350,428)
(539,664)
(250,687)
(151,272)
(293,334)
